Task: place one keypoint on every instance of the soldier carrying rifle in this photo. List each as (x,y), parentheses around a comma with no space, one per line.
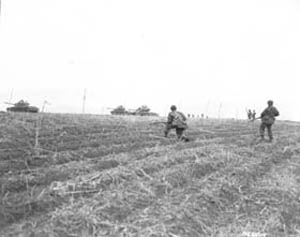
(267,120)
(176,120)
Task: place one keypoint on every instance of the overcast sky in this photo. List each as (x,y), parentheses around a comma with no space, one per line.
(205,56)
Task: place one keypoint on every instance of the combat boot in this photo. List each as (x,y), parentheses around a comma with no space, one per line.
(271,139)
(262,139)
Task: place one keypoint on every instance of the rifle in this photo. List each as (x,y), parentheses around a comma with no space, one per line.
(252,120)
(158,122)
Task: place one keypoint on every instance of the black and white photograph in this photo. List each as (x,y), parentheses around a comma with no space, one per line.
(149,118)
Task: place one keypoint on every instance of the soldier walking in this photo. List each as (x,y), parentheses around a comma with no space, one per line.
(249,114)
(253,115)
(176,120)
(267,120)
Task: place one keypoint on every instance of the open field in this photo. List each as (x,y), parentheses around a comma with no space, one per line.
(87,175)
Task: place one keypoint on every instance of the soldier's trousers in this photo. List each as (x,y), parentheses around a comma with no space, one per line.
(179,131)
(262,128)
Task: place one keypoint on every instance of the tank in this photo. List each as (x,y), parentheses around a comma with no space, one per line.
(23,106)
(144,110)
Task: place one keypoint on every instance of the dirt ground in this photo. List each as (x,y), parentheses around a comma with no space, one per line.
(87,175)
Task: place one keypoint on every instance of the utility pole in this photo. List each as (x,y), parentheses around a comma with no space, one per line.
(11,93)
(237,114)
(220,108)
(44,105)
(207,108)
(83,101)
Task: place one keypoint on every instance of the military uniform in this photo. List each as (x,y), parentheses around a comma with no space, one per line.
(176,120)
(249,114)
(253,115)
(267,120)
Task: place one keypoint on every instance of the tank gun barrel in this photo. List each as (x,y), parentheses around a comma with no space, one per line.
(9,103)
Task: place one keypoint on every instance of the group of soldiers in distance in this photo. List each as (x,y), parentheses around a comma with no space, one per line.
(178,121)
(251,114)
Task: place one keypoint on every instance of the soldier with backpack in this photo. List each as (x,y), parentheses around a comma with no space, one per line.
(267,120)
(176,120)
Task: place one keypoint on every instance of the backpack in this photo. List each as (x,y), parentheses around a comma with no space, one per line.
(179,120)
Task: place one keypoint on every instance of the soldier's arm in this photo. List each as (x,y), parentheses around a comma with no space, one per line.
(263,113)
(276,112)
(170,118)
(183,116)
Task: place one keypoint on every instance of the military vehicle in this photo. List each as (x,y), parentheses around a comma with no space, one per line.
(22,106)
(144,110)
(120,110)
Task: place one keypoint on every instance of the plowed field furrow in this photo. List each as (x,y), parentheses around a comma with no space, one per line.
(186,173)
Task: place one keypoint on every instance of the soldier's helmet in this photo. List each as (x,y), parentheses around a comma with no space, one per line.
(173,108)
(270,102)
